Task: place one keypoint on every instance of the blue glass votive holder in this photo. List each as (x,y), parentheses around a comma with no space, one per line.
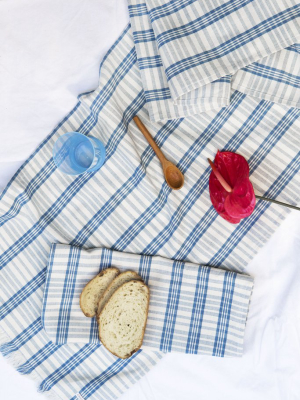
(75,153)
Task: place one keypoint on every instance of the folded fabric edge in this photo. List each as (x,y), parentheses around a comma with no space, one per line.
(46,288)
(233,313)
(266,96)
(213,104)
(226,70)
(249,283)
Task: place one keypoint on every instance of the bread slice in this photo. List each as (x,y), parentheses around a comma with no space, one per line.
(122,321)
(116,283)
(94,289)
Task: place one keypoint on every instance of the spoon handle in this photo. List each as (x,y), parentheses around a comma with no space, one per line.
(150,139)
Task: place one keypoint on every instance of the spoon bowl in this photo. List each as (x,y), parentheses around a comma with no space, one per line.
(173,175)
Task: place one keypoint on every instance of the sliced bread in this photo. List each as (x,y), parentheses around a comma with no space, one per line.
(94,289)
(122,321)
(116,283)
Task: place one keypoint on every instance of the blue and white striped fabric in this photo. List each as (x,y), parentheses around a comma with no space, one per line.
(128,207)
(187,50)
(193,309)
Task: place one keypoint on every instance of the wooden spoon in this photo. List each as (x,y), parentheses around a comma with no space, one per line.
(173,175)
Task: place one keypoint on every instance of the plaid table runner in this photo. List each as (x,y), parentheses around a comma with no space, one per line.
(212,301)
(127,206)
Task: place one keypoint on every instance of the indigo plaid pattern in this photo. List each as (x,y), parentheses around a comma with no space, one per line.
(127,206)
(183,295)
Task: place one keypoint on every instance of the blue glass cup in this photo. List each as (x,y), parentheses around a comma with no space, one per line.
(75,153)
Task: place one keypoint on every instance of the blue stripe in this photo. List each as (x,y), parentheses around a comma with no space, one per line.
(106,257)
(273,74)
(67,296)
(150,62)
(224,314)
(95,384)
(137,10)
(158,94)
(295,47)
(66,368)
(47,280)
(94,331)
(169,8)
(193,336)
(143,36)
(172,307)
(144,268)
(202,22)
(274,137)
(93,224)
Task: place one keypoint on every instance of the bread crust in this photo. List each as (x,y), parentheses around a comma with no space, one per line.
(102,273)
(144,327)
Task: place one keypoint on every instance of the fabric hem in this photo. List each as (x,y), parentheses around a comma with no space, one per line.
(16,358)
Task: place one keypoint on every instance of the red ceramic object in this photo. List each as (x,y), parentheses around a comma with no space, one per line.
(230,189)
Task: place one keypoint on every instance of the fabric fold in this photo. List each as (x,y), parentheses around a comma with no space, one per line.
(275,78)
(161,105)
(193,309)
(187,51)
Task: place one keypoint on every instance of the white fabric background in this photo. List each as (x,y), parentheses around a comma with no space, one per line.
(50,52)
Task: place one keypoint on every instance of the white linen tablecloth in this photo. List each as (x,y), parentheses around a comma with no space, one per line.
(49,54)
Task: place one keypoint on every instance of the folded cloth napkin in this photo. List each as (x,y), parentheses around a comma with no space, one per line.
(187,50)
(213,302)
